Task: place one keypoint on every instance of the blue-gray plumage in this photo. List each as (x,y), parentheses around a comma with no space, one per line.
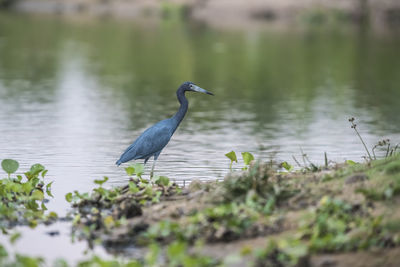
(152,141)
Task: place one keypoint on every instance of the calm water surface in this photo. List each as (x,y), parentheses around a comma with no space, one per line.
(74,95)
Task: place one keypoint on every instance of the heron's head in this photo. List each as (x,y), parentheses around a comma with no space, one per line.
(189,86)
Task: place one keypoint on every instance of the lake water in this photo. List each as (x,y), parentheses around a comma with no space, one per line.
(75,94)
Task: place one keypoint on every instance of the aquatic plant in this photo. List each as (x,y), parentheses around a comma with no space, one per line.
(18,260)
(246,156)
(108,208)
(286,166)
(233,158)
(23,197)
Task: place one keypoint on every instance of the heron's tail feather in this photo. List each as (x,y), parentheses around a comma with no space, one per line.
(118,162)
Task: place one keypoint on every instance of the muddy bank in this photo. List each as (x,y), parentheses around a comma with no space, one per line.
(380,14)
(261,217)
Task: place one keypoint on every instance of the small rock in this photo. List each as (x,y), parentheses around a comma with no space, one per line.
(356,178)
(53,233)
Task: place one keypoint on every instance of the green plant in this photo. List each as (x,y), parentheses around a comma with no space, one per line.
(176,254)
(287,166)
(224,222)
(247,159)
(18,260)
(282,252)
(255,185)
(354,126)
(232,156)
(135,169)
(107,208)
(22,198)
(386,192)
(388,148)
(333,226)
(340,226)
(9,166)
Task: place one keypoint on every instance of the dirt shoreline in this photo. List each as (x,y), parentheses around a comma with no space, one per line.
(379,14)
(345,215)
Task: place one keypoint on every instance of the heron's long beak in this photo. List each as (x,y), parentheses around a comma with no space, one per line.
(201,90)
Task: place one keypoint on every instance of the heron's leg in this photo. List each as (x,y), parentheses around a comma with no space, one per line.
(154,163)
(152,168)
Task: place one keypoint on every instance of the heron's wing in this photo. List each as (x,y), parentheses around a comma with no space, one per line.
(151,141)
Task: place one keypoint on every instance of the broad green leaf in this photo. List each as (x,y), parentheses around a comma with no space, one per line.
(14,237)
(81,196)
(232,156)
(9,165)
(130,170)
(48,189)
(350,162)
(33,223)
(139,169)
(133,188)
(27,187)
(44,173)
(68,197)
(247,157)
(36,169)
(176,250)
(43,206)
(99,190)
(136,169)
(162,180)
(37,195)
(101,182)
(287,166)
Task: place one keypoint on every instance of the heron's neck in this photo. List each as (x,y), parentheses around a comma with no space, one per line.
(178,117)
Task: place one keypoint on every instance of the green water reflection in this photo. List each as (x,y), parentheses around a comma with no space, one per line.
(265,69)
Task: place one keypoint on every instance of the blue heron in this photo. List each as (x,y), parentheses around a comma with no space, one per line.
(152,141)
